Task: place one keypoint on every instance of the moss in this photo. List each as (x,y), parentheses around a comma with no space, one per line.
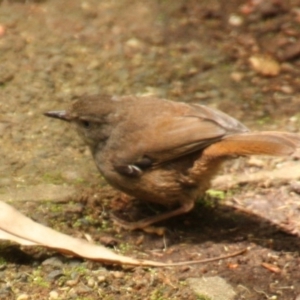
(37,278)
(220,195)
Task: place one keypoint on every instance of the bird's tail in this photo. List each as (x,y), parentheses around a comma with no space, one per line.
(256,143)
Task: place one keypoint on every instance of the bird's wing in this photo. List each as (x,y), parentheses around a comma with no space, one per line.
(170,135)
(177,136)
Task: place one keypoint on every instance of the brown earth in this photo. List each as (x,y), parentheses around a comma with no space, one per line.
(239,56)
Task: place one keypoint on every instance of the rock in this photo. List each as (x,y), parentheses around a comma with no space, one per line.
(134,43)
(256,162)
(215,288)
(91,282)
(53,262)
(53,275)
(235,20)
(53,295)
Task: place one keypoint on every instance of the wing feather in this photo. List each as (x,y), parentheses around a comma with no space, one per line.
(180,135)
(171,131)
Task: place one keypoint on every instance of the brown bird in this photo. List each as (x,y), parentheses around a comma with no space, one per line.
(163,151)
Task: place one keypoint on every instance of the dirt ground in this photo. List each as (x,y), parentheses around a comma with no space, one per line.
(239,56)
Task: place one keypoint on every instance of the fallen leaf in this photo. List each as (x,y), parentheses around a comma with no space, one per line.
(16,227)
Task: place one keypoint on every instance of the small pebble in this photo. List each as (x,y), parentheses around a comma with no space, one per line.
(54,274)
(53,262)
(53,295)
(117,274)
(74,263)
(82,289)
(256,162)
(287,89)
(235,20)
(91,282)
(264,65)
(72,282)
(101,279)
(134,43)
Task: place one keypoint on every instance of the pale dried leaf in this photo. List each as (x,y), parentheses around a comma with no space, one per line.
(17,227)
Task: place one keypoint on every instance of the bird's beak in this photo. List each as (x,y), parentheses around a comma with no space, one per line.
(58,114)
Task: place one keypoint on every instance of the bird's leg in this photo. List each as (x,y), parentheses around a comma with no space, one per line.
(184,208)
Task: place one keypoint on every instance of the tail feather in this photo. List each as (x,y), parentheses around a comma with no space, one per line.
(257,143)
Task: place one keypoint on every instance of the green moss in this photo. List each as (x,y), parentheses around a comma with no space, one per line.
(37,278)
(124,247)
(157,295)
(53,207)
(216,194)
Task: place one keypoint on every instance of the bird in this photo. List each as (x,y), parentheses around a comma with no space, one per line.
(164,151)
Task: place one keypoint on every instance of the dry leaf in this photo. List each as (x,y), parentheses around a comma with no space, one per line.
(16,227)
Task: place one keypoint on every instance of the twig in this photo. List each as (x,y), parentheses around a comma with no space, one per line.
(206,260)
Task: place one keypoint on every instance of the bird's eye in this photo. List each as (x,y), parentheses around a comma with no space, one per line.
(85,123)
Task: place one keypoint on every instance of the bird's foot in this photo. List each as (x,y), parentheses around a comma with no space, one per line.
(139,225)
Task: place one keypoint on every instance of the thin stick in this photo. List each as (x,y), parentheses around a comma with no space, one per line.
(206,260)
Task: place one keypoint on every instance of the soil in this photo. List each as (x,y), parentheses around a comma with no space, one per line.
(239,56)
